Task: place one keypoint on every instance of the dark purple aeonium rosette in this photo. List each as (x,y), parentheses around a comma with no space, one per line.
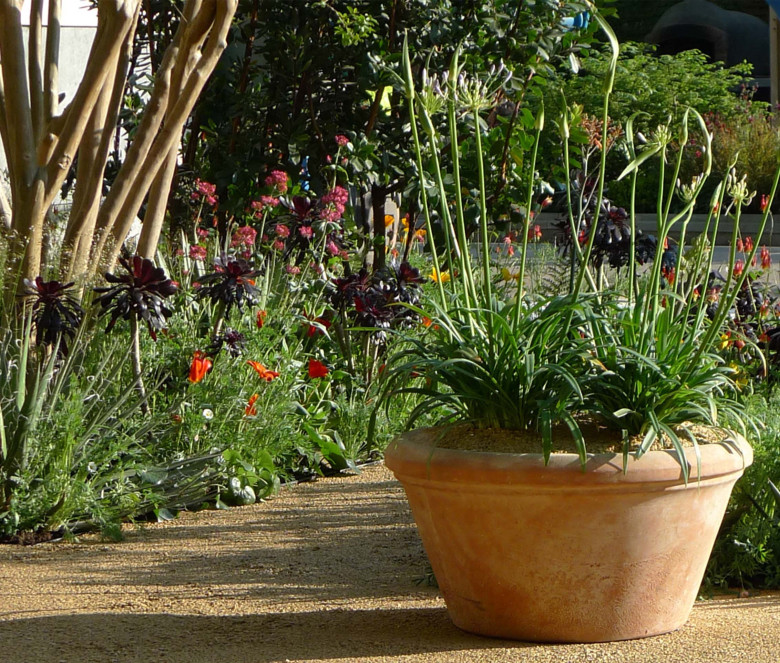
(231,283)
(56,314)
(138,292)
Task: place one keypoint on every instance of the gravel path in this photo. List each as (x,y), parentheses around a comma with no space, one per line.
(323,572)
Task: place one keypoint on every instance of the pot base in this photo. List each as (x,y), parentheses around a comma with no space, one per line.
(553,554)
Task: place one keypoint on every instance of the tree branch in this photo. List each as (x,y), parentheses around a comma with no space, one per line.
(170,136)
(93,153)
(20,147)
(34,69)
(106,49)
(51,95)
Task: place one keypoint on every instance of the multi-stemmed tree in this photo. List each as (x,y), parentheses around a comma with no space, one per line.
(43,142)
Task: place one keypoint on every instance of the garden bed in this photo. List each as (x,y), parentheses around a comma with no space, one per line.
(326,571)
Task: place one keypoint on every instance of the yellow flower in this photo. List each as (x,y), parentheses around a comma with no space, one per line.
(725,341)
(389,220)
(740,376)
(435,276)
(506,275)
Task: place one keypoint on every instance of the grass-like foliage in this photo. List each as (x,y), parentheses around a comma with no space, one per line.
(483,367)
(642,361)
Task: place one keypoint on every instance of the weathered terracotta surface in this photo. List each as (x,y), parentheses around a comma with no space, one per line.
(555,554)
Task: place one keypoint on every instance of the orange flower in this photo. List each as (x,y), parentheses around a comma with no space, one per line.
(250,410)
(261,316)
(389,220)
(317,369)
(262,371)
(200,365)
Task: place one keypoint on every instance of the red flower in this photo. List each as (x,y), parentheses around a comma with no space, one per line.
(261,316)
(250,410)
(739,267)
(314,330)
(669,274)
(262,371)
(766,259)
(317,369)
(764,202)
(200,365)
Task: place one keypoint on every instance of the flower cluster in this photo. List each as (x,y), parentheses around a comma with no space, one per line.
(277,180)
(205,191)
(333,204)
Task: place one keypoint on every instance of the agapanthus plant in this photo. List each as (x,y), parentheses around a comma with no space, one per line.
(643,362)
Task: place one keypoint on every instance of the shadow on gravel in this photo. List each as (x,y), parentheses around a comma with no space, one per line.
(312,636)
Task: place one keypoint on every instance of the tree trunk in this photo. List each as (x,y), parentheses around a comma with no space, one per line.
(43,144)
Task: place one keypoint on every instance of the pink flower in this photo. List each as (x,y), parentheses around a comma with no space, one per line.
(244,236)
(265,202)
(342,141)
(306,232)
(292,269)
(207,190)
(282,230)
(332,248)
(333,203)
(202,233)
(535,233)
(278,180)
(278,245)
(197,252)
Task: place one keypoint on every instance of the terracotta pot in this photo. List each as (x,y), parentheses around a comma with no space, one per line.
(555,554)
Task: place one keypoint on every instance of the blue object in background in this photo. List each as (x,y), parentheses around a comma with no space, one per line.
(774,4)
(582,19)
(304,181)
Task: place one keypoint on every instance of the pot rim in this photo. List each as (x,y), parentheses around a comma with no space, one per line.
(415,455)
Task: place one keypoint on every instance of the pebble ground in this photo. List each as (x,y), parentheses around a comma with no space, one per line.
(323,572)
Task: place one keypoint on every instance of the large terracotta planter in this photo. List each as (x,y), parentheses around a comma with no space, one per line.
(555,554)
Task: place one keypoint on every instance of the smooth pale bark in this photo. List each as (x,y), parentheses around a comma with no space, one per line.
(5,211)
(51,101)
(170,134)
(43,145)
(93,155)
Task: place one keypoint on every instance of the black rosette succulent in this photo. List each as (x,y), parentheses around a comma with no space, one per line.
(232,341)
(232,283)
(612,243)
(138,293)
(378,300)
(56,314)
